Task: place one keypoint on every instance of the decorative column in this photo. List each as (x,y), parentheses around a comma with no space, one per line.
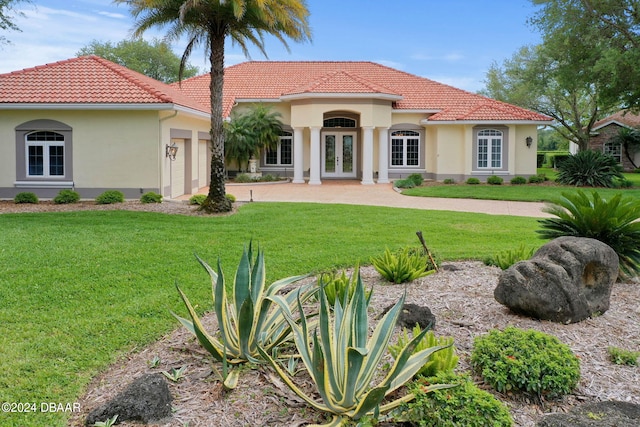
(298,156)
(314,157)
(367,155)
(383,156)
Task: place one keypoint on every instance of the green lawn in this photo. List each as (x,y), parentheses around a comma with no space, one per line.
(525,193)
(78,290)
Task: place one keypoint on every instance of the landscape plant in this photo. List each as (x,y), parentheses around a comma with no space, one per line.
(151,197)
(404,183)
(525,360)
(518,180)
(110,197)
(342,360)
(589,168)
(26,197)
(505,259)
(621,356)
(340,286)
(66,196)
(614,221)
(416,178)
(403,266)
(247,317)
(197,199)
(495,180)
(444,360)
(463,405)
(472,181)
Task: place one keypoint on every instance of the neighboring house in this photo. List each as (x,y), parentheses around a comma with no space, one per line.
(88,124)
(604,130)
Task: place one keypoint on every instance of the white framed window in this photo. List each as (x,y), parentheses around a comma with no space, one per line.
(44,152)
(490,144)
(405,148)
(283,154)
(614,150)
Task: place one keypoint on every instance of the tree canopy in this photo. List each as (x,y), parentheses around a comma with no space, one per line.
(7,10)
(154,59)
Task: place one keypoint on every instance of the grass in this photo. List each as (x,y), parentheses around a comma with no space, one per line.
(79,290)
(523,193)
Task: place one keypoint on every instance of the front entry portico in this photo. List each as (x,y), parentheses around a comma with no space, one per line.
(339,154)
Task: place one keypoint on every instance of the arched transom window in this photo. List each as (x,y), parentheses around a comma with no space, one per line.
(405,148)
(45,154)
(339,122)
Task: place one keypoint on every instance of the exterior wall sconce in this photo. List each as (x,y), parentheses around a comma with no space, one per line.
(171,151)
(529,141)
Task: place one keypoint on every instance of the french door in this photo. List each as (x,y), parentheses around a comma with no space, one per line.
(339,154)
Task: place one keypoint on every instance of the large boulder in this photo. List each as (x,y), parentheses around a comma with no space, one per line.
(567,280)
(600,414)
(146,399)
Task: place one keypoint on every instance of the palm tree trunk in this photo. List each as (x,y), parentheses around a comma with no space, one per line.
(216,199)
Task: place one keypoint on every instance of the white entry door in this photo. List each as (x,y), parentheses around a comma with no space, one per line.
(339,154)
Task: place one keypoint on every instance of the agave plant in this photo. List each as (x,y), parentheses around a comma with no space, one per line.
(405,266)
(342,360)
(247,317)
(614,222)
(338,285)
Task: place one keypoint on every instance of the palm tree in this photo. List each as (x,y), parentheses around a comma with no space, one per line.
(208,23)
(629,139)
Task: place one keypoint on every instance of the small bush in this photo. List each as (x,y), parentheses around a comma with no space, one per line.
(444,360)
(110,197)
(230,197)
(506,259)
(66,196)
(268,178)
(26,197)
(404,266)
(537,179)
(620,356)
(416,178)
(340,286)
(197,199)
(151,197)
(622,183)
(473,181)
(463,405)
(449,181)
(518,180)
(243,178)
(529,361)
(495,180)
(589,168)
(404,183)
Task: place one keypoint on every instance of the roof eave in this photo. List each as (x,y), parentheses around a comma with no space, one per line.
(328,95)
(417,110)
(102,106)
(611,122)
(427,122)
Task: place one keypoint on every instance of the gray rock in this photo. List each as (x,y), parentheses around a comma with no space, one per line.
(566,281)
(412,315)
(600,414)
(146,399)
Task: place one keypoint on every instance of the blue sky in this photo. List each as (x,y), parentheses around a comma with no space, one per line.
(450,41)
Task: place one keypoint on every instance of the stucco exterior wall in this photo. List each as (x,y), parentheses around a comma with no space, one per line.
(524,158)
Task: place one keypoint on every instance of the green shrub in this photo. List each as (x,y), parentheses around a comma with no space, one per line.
(403,266)
(540,159)
(449,181)
(622,183)
(636,170)
(472,181)
(507,258)
(110,197)
(404,183)
(66,197)
(518,180)
(589,168)
(230,197)
(444,360)
(26,197)
(620,356)
(614,222)
(243,178)
(464,405)
(338,285)
(268,178)
(495,180)
(197,199)
(528,361)
(416,178)
(537,179)
(151,197)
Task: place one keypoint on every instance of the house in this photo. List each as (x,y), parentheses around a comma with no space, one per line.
(604,130)
(91,125)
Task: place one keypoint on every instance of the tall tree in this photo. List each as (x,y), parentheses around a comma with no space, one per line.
(155,59)
(600,41)
(209,23)
(533,78)
(7,8)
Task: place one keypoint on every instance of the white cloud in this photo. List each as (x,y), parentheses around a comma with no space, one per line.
(113,15)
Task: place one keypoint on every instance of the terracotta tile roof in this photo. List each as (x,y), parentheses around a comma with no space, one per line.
(270,80)
(624,117)
(88,80)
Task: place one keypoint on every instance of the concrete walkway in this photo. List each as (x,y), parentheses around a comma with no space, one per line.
(354,193)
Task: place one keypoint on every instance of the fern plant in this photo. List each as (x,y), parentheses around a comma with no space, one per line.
(614,222)
(589,168)
(247,317)
(342,360)
(444,360)
(404,266)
